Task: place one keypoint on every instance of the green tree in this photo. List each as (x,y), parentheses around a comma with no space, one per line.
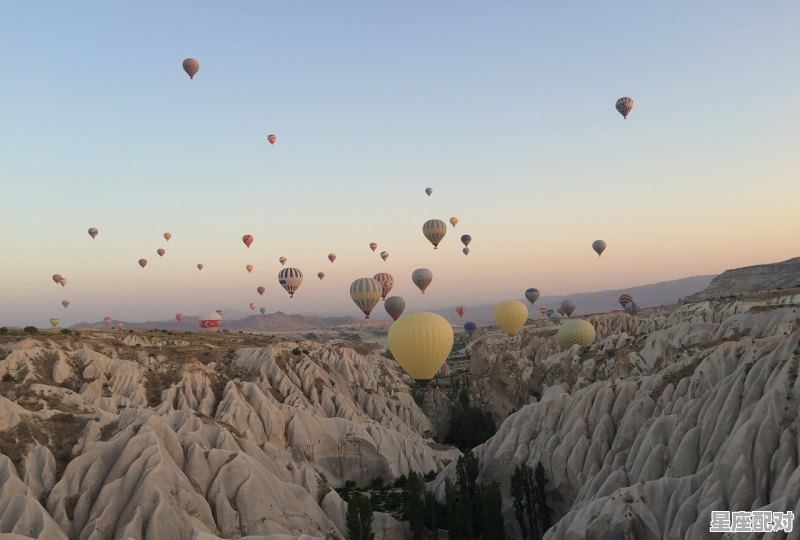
(491,522)
(30,330)
(530,503)
(414,503)
(359,518)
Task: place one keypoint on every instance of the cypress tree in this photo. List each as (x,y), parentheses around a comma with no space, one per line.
(359,518)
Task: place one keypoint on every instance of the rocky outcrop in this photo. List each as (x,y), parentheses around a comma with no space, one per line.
(750,279)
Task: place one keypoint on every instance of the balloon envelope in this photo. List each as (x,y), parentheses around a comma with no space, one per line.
(247,239)
(65,303)
(260,290)
(93,232)
(161,252)
(320,275)
(211,322)
(191,66)
(54,321)
(421,342)
(511,316)
(366,292)
(460,310)
(434,230)
(272,138)
(290,279)
(167,236)
(142,262)
(262,310)
(470,327)
(568,306)
(249,268)
(57,278)
(466,251)
(199,266)
(387,282)
(252,306)
(422,277)
(632,308)
(373,246)
(454,221)
(282,260)
(179,316)
(384,255)
(466,239)
(394,306)
(429,191)
(599,246)
(331,257)
(624,106)
(576,332)
(532,295)
(625,299)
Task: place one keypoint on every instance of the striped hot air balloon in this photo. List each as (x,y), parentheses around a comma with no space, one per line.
(386,280)
(373,246)
(142,262)
(624,106)
(161,252)
(260,290)
(290,279)
(434,230)
(247,239)
(282,260)
(366,292)
(625,299)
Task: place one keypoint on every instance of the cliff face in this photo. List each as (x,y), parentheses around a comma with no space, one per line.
(762,277)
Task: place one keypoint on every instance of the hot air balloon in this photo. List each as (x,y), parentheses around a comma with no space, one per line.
(532,295)
(561,311)
(599,246)
(373,246)
(290,279)
(210,322)
(93,232)
(576,332)
(179,316)
(460,310)
(120,325)
(247,239)
(555,317)
(466,251)
(625,299)
(550,313)
(434,230)
(454,221)
(632,308)
(422,277)
(421,342)
(167,236)
(63,282)
(249,268)
(511,316)
(262,310)
(142,262)
(283,260)
(219,312)
(384,255)
(466,239)
(65,303)
(624,105)
(568,306)
(161,252)
(331,257)
(366,292)
(191,66)
(54,321)
(272,138)
(428,191)
(260,290)
(543,311)
(57,278)
(320,275)
(394,306)
(252,306)
(470,327)
(386,281)
(199,266)
(107,321)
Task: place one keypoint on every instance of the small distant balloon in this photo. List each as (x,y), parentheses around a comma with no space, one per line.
(107,320)
(167,236)
(179,316)
(429,191)
(625,299)
(191,66)
(460,310)
(65,303)
(470,327)
(93,232)
(199,266)
(454,221)
(624,106)
(247,239)
(422,277)
(272,138)
(387,282)
(54,321)
(434,230)
(568,306)
(373,246)
(57,278)
(466,239)
(532,295)
(331,257)
(262,310)
(63,282)
(142,262)
(320,275)
(261,290)
(394,306)
(543,311)
(283,260)
(249,268)
(384,255)
(161,252)
(252,306)
(465,251)
(599,246)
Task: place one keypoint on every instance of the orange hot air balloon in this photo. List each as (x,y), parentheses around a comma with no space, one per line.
(191,66)
(272,138)
(142,262)
(373,246)
(167,236)
(179,316)
(247,239)
(331,257)
(283,260)
(253,306)
(384,255)
(260,290)
(249,268)
(199,266)
(161,252)
(460,310)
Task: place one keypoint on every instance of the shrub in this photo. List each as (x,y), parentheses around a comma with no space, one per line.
(376,483)
(30,330)
(66,331)
(359,518)
(8,377)
(3,330)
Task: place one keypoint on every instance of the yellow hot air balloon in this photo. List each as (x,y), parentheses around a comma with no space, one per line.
(54,321)
(421,342)
(576,332)
(249,268)
(511,316)
(454,221)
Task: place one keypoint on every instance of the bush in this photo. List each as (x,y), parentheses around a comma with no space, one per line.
(297,351)
(431,476)
(401,481)
(350,484)
(66,331)
(3,331)
(376,483)
(8,377)
(30,330)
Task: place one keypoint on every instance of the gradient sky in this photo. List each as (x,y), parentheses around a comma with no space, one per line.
(506,111)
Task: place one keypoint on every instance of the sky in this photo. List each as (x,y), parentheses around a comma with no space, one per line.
(505,110)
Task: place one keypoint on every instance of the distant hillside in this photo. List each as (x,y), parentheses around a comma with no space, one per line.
(655,294)
(761,277)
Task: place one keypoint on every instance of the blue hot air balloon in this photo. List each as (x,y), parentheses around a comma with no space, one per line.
(466,239)
(470,327)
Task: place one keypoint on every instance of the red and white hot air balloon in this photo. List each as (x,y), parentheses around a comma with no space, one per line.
(247,239)
(179,316)
(199,266)
(261,290)
(253,306)
(161,252)
(460,310)
(331,257)
(272,138)
(142,262)
(211,322)
(373,246)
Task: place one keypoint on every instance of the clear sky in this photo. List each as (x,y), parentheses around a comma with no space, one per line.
(505,109)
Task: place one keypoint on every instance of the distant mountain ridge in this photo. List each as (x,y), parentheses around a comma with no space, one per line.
(759,277)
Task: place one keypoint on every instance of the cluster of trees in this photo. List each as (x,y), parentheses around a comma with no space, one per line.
(530,503)
(469,426)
